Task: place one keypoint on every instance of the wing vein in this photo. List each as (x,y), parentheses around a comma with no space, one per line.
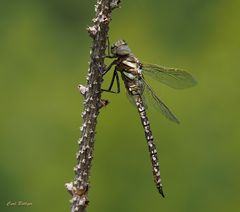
(159,105)
(175,78)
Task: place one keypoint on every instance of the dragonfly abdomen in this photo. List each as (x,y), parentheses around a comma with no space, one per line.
(150,141)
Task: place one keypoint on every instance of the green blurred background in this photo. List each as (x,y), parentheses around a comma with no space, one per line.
(44,54)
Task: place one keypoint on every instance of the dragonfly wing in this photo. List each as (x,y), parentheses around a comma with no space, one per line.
(133,102)
(130,99)
(153,99)
(172,77)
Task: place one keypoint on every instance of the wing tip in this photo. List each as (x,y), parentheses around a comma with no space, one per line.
(193,82)
(173,119)
(177,121)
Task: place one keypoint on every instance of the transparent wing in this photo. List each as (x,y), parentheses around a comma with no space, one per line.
(132,100)
(172,77)
(152,99)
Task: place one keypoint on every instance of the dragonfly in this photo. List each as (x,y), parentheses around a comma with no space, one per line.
(141,94)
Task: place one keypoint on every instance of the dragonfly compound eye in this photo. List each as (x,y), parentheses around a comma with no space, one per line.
(120,48)
(119,43)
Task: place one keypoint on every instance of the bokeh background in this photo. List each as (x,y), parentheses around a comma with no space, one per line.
(44,53)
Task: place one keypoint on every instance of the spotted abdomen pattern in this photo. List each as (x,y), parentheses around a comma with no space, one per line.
(151,146)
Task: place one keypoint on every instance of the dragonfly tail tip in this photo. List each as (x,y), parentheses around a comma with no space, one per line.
(161,191)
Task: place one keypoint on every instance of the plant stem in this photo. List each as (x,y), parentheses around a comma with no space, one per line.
(92,104)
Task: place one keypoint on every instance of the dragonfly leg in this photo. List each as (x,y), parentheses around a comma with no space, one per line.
(108,45)
(108,67)
(115,75)
(109,55)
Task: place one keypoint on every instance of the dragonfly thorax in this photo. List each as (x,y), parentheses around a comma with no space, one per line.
(120,48)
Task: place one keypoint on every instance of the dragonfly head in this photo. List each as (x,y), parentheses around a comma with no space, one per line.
(120,48)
